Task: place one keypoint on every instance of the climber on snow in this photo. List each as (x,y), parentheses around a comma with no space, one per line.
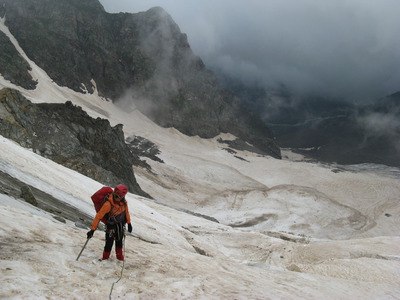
(114,213)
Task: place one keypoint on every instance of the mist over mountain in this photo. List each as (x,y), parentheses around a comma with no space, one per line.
(343,50)
(139,61)
(324,128)
(143,61)
(322,66)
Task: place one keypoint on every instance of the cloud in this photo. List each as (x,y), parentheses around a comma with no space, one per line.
(348,49)
(381,124)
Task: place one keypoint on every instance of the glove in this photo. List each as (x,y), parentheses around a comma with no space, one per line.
(90,234)
(129,228)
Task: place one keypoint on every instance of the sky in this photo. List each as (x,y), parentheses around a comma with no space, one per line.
(345,49)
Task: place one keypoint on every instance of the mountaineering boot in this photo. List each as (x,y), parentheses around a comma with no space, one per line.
(118,251)
(106,255)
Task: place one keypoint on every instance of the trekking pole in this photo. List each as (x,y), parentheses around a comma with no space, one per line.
(82,249)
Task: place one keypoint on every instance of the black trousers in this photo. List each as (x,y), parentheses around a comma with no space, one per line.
(114,232)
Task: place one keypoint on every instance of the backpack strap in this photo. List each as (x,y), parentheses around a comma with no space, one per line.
(107,215)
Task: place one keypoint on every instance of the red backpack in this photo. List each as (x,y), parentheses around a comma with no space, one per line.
(99,198)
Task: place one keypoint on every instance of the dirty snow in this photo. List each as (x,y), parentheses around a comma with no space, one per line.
(288,229)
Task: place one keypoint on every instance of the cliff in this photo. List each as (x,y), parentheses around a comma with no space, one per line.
(141,58)
(65,134)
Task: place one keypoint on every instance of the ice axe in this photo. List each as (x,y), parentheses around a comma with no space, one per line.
(83,248)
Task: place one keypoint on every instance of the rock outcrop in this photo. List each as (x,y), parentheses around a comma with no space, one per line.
(13,66)
(65,134)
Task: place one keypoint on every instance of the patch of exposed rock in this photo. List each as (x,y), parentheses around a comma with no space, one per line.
(60,210)
(141,147)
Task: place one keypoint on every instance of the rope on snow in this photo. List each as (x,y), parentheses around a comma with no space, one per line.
(122,269)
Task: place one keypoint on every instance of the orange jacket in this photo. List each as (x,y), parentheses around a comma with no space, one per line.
(114,208)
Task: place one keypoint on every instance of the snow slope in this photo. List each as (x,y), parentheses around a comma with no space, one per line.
(287,229)
(177,255)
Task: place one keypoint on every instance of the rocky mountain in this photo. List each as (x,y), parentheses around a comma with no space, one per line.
(345,133)
(137,60)
(67,135)
(324,129)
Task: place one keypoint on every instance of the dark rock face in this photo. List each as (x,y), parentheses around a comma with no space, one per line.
(12,66)
(76,41)
(60,210)
(27,195)
(141,147)
(65,134)
(142,55)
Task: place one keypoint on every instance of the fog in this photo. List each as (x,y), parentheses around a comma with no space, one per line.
(344,49)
